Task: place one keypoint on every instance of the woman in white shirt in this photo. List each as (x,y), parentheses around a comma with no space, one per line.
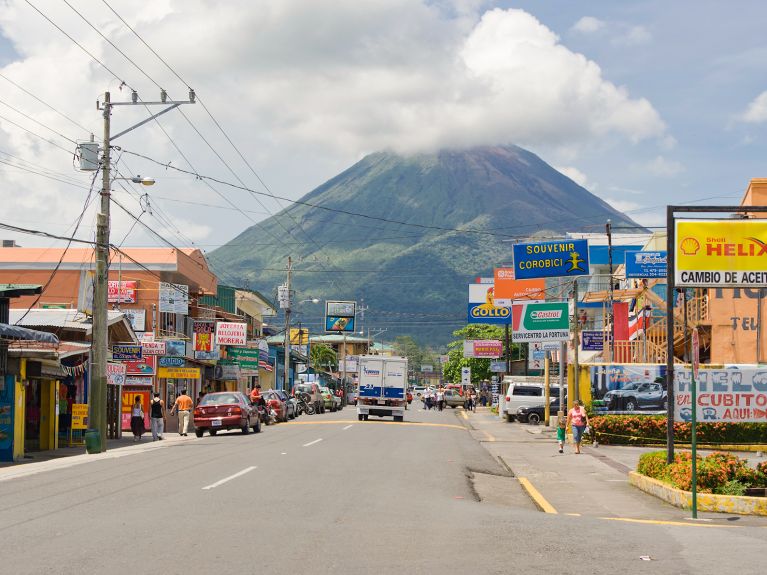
(137,419)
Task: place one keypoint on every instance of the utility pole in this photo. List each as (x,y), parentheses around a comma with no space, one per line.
(508,346)
(286,376)
(576,341)
(611,315)
(343,377)
(562,369)
(97,402)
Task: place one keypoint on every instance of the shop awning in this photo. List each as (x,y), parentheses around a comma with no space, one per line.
(15,332)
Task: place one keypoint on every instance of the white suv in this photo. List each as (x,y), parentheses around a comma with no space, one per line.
(523,395)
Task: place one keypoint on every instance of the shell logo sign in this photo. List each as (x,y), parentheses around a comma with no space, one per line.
(721,253)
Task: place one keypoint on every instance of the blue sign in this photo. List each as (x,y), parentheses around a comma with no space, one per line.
(488,313)
(646,264)
(172,362)
(126,352)
(338,324)
(592,340)
(551,259)
(175,347)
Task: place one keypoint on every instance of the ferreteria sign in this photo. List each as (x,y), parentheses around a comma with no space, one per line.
(719,253)
(724,395)
(541,322)
(551,259)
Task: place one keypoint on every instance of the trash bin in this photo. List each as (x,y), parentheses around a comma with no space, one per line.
(93,441)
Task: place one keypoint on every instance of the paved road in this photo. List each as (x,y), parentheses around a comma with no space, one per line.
(327,494)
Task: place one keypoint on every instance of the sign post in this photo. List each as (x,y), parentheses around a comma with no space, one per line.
(694,422)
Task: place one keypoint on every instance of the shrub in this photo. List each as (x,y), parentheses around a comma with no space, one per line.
(653,465)
(762,467)
(717,473)
(731,488)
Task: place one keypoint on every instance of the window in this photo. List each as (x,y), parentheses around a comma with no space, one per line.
(527,391)
(219,399)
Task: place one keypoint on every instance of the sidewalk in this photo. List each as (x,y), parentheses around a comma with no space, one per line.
(594,483)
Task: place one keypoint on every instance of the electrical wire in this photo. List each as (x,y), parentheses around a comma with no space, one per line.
(43,138)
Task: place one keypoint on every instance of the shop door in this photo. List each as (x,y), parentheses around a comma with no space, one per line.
(32,414)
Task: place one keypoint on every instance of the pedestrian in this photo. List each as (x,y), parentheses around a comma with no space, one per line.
(578,420)
(199,397)
(157,417)
(137,419)
(440,399)
(255,394)
(468,404)
(561,430)
(183,406)
(473,400)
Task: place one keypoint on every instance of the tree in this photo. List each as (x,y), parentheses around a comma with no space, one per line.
(480,368)
(408,347)
(323,357)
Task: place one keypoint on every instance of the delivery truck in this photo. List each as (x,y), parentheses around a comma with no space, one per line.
(382,387)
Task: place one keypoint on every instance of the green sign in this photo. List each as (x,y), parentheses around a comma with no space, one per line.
(246,357)
(540,322)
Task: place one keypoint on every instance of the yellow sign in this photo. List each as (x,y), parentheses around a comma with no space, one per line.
(299,339)
(79,416)
(179,372)
(719,253)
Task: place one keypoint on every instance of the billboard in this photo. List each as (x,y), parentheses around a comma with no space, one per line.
(482,307)
(721,253)
(633,388)
(145,366)
(541,322)
(508,288)
(173,298)
(551,259)
(121,292)
(231,333)
(488,348)
(339,316)
(731,395)
(650,265)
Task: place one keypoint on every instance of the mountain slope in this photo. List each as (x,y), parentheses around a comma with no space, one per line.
(413,279)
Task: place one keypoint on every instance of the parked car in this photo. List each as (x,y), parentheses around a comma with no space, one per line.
(524,395)
(453,398)
(290,401)
(225,410)
(330,401)
(537,413)
(315,397)
(275,402)
(635,396)
(418,391)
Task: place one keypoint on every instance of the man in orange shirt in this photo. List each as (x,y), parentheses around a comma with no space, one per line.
(183,406)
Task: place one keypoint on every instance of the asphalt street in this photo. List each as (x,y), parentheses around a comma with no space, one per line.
(329,494)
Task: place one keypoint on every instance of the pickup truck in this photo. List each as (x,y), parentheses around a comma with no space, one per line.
(453,398)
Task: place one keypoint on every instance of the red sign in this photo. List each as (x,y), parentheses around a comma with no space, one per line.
(203,335)
(144,366)
(121,292)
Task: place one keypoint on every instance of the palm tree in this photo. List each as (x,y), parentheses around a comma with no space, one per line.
(323,356)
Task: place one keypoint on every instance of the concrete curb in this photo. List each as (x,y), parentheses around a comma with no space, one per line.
(741,505)
(535,495)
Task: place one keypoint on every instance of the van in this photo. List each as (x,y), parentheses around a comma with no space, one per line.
(524,395)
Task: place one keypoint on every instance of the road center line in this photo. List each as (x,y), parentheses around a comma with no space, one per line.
(345,428)
(312,442)
(226,479)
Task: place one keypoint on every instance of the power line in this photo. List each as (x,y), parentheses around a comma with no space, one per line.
(44,139)
(28,117)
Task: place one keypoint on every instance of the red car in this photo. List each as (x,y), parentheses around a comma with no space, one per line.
(225,410)
(275,402)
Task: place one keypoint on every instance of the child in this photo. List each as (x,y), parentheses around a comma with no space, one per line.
(561,430)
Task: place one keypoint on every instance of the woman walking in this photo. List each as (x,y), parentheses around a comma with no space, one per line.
(157,417)
(137,419)
(578,420)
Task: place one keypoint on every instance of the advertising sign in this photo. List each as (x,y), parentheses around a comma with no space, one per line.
(646,264)
(551,259)
(179,372)
(231,333)
(125,351)
(724,395)
(128,398)
(491,348)
(721,253)
(121,292)
(247,357)
(153,347)
(299,336)
(172,362)
(482,307)
(115,373)
(136,317)
(541,322)
(228,371)
(339,316)
(202,340)
(508,289)
(175,347)
(632,388)
(79,416)
(173,298)
(498,366)
(427,368)
(145,366)
(592,340)
(466,375)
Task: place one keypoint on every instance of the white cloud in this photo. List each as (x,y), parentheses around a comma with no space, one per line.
(756,112)
(588,25)
(294,84)
(622,205)
(574,174)
(660,166)
(633,36)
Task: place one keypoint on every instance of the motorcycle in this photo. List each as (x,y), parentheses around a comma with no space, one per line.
(304,404)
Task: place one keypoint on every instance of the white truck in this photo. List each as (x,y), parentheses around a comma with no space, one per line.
(382,386)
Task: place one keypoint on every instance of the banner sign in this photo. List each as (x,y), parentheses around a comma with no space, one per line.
(145,366)
(721,253)
(730,395)
(125,351)
(153,347)
(121,292)
(508,289)
(482,307)
(115,373)
(551,259)
(172,362)
(247,357)
(179,372)
(483,348)
(498,366)
(136,317)
(592,340)
(541,322)
(202,340)
(650,265)
(175,347)
(231,333)
(79,416)
(339,316)
(174,298)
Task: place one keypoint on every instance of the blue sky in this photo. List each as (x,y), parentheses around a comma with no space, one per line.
(644,103)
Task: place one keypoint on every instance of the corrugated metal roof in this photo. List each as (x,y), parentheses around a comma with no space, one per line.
(17,290)
(59,318)
(22,333)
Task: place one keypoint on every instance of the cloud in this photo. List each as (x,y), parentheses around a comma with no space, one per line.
(302,91)
(756,112)
(574,174)
(633,36)
(588,25)
(622,205)
(660,166)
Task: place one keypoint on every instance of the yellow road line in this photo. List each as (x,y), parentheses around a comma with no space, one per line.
(536,496)
(413,423)
(661,522)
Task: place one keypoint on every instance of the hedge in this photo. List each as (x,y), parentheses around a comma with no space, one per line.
(651,429)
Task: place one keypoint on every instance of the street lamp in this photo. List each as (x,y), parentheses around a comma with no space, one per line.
(144,181)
